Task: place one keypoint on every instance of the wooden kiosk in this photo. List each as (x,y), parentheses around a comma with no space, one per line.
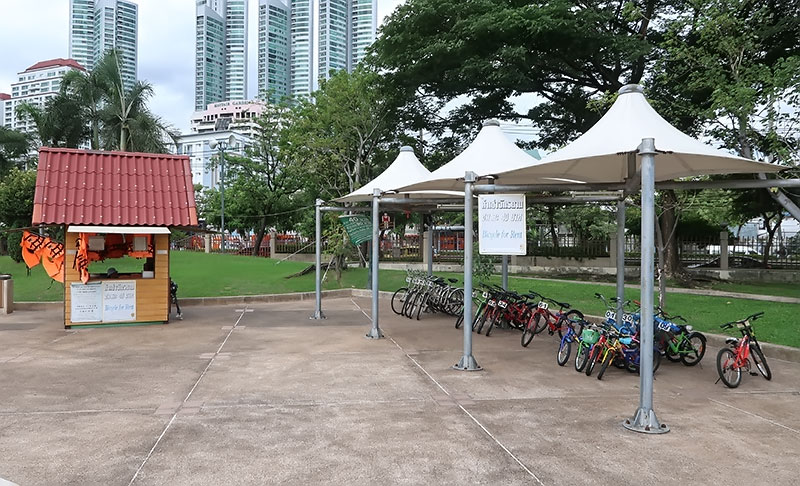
(114,204)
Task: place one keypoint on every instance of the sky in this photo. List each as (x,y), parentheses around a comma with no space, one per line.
(37,30)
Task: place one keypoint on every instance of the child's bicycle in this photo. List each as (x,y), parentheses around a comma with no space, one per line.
(732,360)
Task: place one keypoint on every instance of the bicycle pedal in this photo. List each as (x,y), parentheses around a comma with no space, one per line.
(753,373)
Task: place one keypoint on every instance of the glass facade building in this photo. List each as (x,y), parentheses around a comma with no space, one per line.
(273,50)
(301,31)
(220,51)
(97,26)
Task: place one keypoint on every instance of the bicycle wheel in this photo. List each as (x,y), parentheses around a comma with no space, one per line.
(540,322)
(455,301)
(495,321)
(729,373)
(527,334)
(603,367)
(581,356)
(399,299)
(760,360)
(594,355)
(421,303)
(563,352)
(489,314)
(692,349)
(459,320)
(408,305)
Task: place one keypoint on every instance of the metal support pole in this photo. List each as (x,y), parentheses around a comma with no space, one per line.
(644,420)
(467,362)
(318,262)
(620,258)
(505,272)
(222,195)
(375,332)
(430,247)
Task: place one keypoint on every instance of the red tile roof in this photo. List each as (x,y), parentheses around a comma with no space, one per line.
(55,63)
(5,96)
(113,188)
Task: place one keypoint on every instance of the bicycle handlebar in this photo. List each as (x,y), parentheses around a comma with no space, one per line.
(746,320)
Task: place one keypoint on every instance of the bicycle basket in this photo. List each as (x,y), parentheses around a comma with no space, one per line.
(590,336)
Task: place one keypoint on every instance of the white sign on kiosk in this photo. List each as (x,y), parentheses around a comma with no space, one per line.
(107,301)
(86,302)
(502,224)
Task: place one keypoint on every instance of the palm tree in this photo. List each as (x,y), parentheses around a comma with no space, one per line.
(125,113)
(59,123)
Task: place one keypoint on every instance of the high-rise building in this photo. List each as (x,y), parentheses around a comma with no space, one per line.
(35,86)
(236,50)
(301,32)
(98,26)
(346,29)
(333,36)
(221,51)
(209,56)
(363,28)
(273,50)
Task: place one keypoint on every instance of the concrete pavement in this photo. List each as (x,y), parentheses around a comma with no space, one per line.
(256,393)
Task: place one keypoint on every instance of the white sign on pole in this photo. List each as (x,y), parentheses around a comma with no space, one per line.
(86,302)
(119,300)
(502,224)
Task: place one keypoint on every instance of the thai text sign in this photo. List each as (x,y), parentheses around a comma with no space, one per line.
(501,224)
(358,227)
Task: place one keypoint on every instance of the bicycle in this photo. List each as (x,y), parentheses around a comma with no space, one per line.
(732,360)
(543,318)
(588,338)
(679,342)
(565,347)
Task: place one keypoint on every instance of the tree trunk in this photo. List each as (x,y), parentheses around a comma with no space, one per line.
(262,228)
(551,221)
(662,280)
(123,139)
(669,222)
(770,237)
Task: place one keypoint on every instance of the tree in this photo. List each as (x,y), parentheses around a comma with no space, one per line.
(734,67)
(128,124)
(14,148)
(563,52)
(16,206)
(265,176)
(59,123)
(341,137)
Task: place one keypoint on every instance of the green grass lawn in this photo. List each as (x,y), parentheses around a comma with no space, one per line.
(201,275)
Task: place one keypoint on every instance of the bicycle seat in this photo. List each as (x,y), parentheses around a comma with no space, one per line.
(452,280)
(732,341)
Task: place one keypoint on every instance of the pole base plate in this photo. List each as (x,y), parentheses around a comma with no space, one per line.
(318,315)
(645,422)
(375,333)
(467,363)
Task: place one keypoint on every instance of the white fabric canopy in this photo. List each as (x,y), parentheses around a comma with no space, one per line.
(405,170)
(490,153)
(600,154)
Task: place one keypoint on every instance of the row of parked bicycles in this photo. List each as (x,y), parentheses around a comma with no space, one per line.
(612,342)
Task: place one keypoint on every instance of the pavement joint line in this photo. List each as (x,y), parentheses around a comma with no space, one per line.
(777,424)
(175,414)
(76,412)
(472,417)
(363,311)
(68,334)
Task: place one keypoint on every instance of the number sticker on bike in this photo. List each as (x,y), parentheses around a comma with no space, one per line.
(492,303)
(502,304)
(627,318)
(611,315)
(542,305)
(486,295)
(664,326)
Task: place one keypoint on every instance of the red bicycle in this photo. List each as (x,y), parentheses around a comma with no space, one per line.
(732,360)
(542,318)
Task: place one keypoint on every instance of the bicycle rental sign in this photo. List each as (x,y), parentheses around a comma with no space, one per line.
(501,224)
